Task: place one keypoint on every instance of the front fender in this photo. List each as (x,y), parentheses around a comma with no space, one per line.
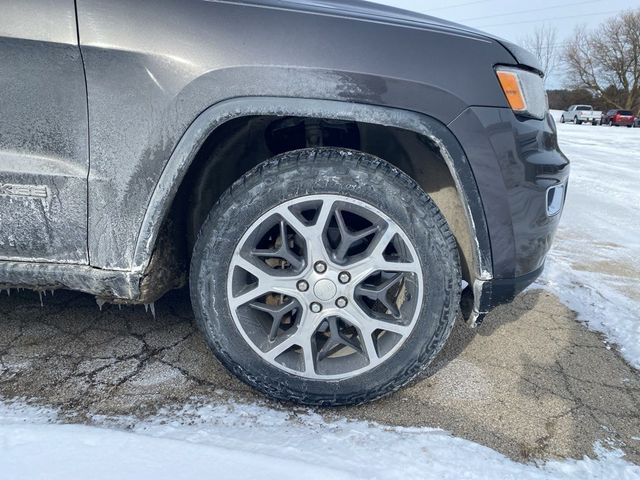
(213,117)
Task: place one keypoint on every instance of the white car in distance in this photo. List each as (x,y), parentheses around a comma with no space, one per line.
(581,113)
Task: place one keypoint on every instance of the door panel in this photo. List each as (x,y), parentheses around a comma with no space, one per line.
(43,134)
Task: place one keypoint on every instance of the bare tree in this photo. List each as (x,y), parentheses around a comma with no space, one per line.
(607,60)
(542,43)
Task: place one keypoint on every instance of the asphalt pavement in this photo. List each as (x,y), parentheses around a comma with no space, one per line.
(531,382)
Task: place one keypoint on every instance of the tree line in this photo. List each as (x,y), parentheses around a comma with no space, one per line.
(600,66)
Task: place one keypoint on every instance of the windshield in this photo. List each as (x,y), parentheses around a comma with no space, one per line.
(625,112)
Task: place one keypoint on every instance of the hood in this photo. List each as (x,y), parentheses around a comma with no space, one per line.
(522,55)
(364,10)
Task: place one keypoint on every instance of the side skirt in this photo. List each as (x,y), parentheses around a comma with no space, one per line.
(110,285)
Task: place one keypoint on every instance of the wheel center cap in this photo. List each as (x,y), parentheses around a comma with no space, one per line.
(325,289)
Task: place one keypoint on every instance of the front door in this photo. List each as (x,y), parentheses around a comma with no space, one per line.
(43,134)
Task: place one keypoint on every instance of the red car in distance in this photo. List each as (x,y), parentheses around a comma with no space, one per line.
(618,118)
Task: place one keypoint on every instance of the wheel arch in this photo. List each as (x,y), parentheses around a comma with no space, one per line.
(212,119)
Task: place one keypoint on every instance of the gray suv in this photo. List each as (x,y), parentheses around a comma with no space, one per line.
(337,181)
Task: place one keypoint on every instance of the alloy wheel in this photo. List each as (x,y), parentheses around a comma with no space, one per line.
(325,287)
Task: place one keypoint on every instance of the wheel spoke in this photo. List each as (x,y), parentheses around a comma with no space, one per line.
(370,348)
(266,283)
(308,355)
(336,341)
(364,268)
(349,238)
(301,338)
(376,261)
(282,347)
(294,222)
(277,313)
(368,323)
(380,293)
(363,323)
(324,216)
(376,324)
(313,234)
(404,267)
(283,251)
(382,241)
(315,240)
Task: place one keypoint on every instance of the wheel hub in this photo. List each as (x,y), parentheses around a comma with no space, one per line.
(325,289)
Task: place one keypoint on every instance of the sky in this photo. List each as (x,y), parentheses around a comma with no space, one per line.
(514,20)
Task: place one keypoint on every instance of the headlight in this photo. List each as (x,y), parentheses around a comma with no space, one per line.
(524,91)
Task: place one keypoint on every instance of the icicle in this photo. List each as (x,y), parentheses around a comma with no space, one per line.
(152,307)
(8,290)
(146,307)
(40,294)
(100,302)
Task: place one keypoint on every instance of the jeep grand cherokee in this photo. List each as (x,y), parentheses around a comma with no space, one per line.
(337,180)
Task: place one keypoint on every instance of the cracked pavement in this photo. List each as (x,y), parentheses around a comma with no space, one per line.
(531,382)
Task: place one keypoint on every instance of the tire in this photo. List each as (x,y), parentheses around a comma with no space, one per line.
(576,121)
(611,123)
(328,180)
(562,119)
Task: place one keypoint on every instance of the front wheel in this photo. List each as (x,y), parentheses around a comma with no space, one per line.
(325,277)
(562,119)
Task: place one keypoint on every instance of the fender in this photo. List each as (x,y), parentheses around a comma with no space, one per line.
(191,141)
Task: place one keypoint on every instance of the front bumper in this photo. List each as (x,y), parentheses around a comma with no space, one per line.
(484,296)
(515,161)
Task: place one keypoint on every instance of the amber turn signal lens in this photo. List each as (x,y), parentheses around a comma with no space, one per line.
(511,87)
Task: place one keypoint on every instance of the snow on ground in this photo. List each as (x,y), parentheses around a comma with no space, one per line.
(236,441)
(594,265)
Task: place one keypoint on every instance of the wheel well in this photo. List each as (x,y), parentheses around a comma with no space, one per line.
(238,145)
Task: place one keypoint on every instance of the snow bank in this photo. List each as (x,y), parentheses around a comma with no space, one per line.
(238,441)
(594,265)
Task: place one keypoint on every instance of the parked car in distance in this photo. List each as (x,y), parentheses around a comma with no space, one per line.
(581,113)
(618,118)
(333,209)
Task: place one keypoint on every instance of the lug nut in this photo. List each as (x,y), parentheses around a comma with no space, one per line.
(341,302)
(344,277)
(303,286)
(320,267)
(316,307)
